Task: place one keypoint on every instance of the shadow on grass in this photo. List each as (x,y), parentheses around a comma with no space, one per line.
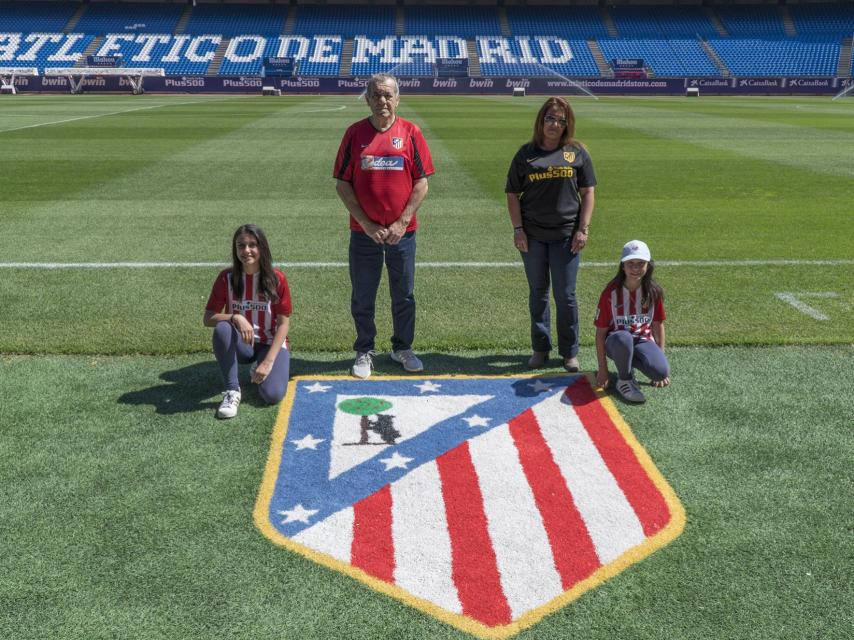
(434,364)
(196,387)
(186,390)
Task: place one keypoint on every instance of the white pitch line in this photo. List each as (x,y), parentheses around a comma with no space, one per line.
(435,265)
(99,115)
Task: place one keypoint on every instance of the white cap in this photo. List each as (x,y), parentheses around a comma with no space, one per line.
(635,250)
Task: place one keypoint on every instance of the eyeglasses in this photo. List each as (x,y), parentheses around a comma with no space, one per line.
(553,120)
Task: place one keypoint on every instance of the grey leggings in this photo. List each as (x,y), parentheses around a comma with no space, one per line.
(230,350)
(629,353)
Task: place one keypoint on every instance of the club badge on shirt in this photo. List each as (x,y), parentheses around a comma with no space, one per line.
(397,143)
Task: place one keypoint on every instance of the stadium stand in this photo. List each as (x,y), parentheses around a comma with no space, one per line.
(664,22)
(345,20)
(825,20)
(671,57)
(546,56)
(567,22)
(42,49)
(178,55)
(235,20)
(760,57)
(100,18)
(318,56)
(44,17)
(673,40)
(465,21)
(752,21)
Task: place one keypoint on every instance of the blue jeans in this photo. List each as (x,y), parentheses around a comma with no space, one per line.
(230,350)
(629,353)
(552,263)
(366,270)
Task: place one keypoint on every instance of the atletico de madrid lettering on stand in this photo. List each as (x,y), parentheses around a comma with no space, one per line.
(486,502)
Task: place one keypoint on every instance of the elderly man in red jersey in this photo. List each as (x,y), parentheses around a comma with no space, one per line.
(381,172)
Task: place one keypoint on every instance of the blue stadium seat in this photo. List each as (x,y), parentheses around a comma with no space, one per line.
(752,20)
(759,57)
(567,22)
(35,17)
(346,21)
(101,18)
(234,20)
(465,21)
(663,22)
(670,57)
(544,56)
(42,49)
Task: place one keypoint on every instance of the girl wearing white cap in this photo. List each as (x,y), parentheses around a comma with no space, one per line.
(630,325)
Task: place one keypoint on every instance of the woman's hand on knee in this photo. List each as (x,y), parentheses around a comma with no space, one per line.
(262,371)
(244,328)
(661,383)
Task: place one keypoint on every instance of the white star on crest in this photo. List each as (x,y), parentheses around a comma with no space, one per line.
(428,386)
(539,385)
(298,514)
(396,461)
(314,388)
(308,442)
(477,421)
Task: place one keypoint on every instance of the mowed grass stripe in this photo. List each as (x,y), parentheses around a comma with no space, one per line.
(131,311)
(419,264)
(762,136)
(194,173)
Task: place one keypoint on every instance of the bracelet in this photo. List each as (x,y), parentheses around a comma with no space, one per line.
(517,228)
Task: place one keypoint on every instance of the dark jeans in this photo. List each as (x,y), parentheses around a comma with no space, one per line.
(230,350)
(629,353)
(366,269)
(552,263)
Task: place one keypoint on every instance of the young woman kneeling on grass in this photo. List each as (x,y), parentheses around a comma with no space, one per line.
(249,309)
(630,325)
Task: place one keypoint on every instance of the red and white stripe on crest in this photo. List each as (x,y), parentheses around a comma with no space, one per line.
(507,521)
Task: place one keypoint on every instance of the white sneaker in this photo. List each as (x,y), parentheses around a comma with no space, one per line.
(229,404)
(630,391)
(409,360)
(363,365)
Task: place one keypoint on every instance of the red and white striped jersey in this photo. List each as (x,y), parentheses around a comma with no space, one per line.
(620,310)
(253,305)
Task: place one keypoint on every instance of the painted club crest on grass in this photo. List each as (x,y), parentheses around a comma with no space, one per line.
(485,502)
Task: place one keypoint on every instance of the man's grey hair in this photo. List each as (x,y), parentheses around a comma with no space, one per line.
(380,78)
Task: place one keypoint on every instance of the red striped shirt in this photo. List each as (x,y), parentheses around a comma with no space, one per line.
(252,305)
(620,310)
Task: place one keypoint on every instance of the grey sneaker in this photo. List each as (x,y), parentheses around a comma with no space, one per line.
(363,365)
(538,360)
(229,404)
(409,360)
(630,391)
(571,364)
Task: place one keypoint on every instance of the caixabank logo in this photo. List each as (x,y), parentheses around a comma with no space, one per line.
(486,502)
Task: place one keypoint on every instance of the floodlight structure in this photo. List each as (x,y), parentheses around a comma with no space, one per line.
(8,75)
(76,75)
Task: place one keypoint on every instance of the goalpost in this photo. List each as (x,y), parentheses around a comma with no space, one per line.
(76,75)
(8,75)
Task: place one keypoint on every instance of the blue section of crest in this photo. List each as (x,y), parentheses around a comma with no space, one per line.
(303,477)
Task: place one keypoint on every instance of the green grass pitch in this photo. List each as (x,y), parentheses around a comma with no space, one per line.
(127,507)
